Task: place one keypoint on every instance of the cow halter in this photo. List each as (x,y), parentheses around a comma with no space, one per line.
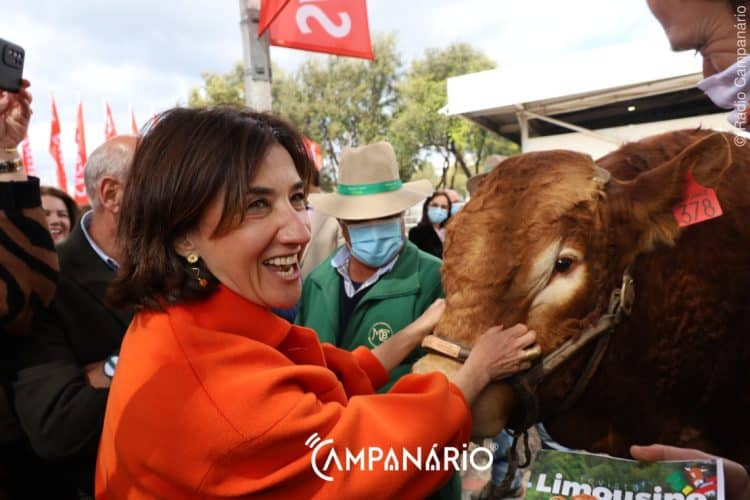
(525,384)
(620,303)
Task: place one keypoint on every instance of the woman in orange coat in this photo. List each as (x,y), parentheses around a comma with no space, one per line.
(216,397)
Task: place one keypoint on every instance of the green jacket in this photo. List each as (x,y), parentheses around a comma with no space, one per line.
(394,301)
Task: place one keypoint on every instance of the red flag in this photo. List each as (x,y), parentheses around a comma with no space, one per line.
(269,9)
(133,126)
(28,161)
(55,150)
(313,149)
(109,123)
(80,194)
(335,27)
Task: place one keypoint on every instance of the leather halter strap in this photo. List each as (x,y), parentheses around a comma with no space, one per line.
(446,348)
(621,302)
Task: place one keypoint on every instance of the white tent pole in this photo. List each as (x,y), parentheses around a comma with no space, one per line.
(570,126)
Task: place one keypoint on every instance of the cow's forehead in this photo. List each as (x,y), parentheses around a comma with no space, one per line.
(528,207)
(541,186)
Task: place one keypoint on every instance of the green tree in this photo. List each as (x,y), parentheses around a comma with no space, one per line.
(340,102)
(226,88)
(420,130)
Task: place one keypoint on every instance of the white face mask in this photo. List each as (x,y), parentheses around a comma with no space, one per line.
(730,89)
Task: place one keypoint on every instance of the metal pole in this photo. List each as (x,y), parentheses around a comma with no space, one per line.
(256,58)
(596,135)
(523,125)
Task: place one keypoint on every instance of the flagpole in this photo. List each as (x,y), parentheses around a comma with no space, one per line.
(256,57)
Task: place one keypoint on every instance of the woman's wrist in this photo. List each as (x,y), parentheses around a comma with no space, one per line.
(470,380)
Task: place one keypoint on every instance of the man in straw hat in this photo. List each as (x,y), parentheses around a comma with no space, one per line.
(378,282)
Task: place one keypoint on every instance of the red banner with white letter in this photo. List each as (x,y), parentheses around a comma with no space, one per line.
(313,150)
(80,194)
(55,150)
(269,10)
(110,130)
(332,26)
(28,161)
(133,126)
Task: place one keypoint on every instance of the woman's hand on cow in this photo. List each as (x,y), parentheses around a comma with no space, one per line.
(737,479)
(394,350)
(497,354)
(425,323)
(504,352)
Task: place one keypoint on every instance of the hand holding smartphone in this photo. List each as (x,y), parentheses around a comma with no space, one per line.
(11,66)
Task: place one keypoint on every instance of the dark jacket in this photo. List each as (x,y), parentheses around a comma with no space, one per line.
(61,413)
(427,240)
(28,274)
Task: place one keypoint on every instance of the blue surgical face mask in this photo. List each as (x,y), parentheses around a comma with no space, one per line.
(455,207)
(437,215)
(376,243)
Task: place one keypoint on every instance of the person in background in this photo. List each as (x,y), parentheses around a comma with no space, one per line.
(28,276)
(378,282)
(61,212)
(214,395)
(429,233)
(457,201)
(716,29)
(325,234)
(711,28)
(66,366)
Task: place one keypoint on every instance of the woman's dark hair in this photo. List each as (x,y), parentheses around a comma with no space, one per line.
(186,159)
(425,220)
(70,204)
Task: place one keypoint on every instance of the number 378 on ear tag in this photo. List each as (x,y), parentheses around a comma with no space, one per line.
(699,204)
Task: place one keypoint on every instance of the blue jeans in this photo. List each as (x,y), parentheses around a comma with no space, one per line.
(500,465)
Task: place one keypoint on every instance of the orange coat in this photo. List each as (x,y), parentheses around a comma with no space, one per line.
(216,399)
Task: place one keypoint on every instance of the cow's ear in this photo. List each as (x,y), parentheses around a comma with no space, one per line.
(645,205)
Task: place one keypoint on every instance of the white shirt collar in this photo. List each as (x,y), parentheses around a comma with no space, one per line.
(340,262)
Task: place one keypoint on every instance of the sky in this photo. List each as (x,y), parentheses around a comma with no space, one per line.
(147,54)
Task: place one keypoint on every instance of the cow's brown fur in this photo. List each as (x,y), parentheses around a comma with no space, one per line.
(676,370)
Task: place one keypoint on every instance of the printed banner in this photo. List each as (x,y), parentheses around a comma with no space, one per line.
(80,193)
(583,476)
(133,126)
(313,149)
(54,148)
(269,10)
(28,161)
(333,26)
(109,123)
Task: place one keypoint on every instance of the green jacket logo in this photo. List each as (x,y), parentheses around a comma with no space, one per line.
(379,333)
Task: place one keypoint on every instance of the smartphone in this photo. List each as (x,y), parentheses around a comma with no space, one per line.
(11,66)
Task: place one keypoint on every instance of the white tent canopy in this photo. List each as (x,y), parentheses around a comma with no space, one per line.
(605,96)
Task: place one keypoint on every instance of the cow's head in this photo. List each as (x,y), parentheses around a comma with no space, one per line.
(545,240)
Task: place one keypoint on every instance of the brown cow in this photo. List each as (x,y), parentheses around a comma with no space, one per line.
(546,239)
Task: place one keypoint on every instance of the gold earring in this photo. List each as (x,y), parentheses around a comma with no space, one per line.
(192,258)
(202,282)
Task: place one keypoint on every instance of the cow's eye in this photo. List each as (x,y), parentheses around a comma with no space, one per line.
(563,264)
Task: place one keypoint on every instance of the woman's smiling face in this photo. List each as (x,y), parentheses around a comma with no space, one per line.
(260,257)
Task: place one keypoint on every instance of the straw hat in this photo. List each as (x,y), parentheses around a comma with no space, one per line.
(369,186)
